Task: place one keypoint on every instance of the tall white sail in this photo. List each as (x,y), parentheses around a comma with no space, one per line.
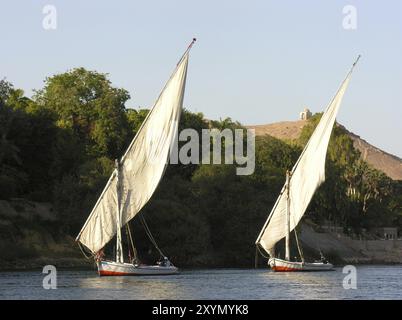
(142,166)
(306,176)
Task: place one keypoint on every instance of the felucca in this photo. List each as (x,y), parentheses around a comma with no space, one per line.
(301,183)
(133,182)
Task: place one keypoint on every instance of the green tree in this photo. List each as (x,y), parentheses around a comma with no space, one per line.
(86,103)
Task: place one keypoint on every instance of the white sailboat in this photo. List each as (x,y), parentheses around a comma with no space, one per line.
(134,180)
(301,183)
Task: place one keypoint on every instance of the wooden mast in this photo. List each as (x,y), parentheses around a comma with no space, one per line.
(287,240)
(119,247)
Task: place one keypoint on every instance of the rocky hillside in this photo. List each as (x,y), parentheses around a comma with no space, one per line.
(288,130)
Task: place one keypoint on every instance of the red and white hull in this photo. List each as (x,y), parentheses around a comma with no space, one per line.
(111,268)
(280,265)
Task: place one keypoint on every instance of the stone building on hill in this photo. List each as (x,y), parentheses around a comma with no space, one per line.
(305,114)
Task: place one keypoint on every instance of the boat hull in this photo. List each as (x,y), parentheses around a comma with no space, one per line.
(111,268)
(279,265)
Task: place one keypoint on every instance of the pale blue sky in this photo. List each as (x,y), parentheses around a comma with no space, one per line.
(255,61)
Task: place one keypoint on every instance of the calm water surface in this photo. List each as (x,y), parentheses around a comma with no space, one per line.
(373,282)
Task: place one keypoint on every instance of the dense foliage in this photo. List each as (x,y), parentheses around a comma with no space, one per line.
(60,145)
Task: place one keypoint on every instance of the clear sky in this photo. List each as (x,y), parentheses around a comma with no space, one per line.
(255,61)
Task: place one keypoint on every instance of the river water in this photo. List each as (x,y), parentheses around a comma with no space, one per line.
(372,282)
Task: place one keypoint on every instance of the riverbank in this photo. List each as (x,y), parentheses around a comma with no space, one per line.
(344,250)
(338,251)
(30,238)
(39,263)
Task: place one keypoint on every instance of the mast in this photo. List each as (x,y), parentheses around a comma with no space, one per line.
(119,247)
(287,239)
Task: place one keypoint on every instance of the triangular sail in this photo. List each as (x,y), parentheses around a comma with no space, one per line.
(307,175)
(142,166)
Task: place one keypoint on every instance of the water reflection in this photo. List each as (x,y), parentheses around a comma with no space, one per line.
(305,285)
(374,282)
(149,287)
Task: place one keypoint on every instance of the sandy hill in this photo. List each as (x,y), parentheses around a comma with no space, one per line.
(389,164)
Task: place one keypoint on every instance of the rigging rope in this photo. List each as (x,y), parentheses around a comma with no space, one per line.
(298,246)
(261,253)
(132,243)
(150,236)
(128,245)
(83,252)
